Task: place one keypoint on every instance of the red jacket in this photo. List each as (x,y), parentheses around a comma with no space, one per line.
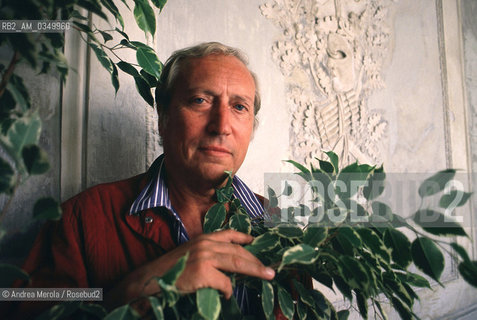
(96,243)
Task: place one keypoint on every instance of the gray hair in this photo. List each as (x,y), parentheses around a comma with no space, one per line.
(179,58)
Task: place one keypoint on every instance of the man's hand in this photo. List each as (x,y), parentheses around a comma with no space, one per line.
(210,255)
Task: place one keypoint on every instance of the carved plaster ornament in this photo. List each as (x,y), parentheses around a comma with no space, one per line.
(332,56)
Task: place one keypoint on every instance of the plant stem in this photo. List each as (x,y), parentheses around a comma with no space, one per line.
(9,72)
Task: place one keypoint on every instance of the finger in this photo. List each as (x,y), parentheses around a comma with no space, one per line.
(204,277)
(245,265)
(230,236)
(206,249)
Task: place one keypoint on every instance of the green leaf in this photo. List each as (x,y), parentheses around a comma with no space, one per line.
(286,303)
(151,80)
(461,251)
(138,44)
(287,189)
(437,223)
(144,90)
(19,92)
(24,131)
(171,276)
(75,14)
(156,307)
(354,273)
(350,179)
(240,222)
(453,199)
(102,57)
(414,279)
(362,304)
(304,295)
(128,68)
(114,78)
(46,209)
(144,15)
(301,253)
(214,218)
(375,244)
(35,159)
(106,36)
(288,231)
(315,235)
(343,287)
(9,273)
(427,257)
(375,185)
(323,278)
(263,243)
(322,306)
(435,183)
(208,303)
(267,299)
(351,235)
(124,34)
(398,289)
(334,160)
(382,210)
(468,271)
(343,315)
(230,308)
(326,166)
(272,198)
(404,312)
(400,245)
(148,60)
(83,27)
(301,310)
(225,193)
(7,177)
(122,313)
(127,44)
(109,4)
(305,173)
(159,3)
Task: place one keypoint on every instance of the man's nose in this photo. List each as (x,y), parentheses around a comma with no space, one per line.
(219,121)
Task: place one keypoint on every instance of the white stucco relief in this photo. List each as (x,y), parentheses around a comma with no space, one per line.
(332,55)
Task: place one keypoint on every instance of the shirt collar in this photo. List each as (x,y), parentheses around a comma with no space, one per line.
(156,194)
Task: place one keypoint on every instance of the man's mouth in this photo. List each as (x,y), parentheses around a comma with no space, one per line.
(215,150)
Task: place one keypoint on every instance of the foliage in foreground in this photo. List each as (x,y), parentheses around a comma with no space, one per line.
(367,262)
(42,53)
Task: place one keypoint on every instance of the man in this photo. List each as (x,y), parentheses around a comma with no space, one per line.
(120,235)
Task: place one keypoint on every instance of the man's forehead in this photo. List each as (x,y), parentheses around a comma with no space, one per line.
(199,69)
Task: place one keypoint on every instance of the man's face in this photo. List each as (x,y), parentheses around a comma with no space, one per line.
(210,118)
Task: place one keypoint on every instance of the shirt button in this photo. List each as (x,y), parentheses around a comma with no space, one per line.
(149,219)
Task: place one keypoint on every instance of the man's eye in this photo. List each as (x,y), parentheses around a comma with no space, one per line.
(240,107)
(198,100)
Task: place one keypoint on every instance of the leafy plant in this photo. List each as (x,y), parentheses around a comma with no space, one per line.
(42,53)
(367,260)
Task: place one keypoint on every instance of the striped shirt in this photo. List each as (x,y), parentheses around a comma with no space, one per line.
(156,194)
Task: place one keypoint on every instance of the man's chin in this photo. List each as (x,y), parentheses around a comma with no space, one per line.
(216,174)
